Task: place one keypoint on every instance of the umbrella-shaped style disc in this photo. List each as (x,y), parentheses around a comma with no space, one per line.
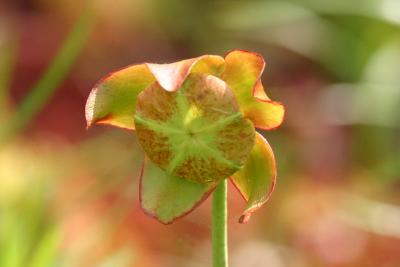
(197,132)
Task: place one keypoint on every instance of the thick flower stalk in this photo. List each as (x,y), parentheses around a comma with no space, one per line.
(195,119)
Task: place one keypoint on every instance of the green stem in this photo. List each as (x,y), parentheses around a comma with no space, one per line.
(219,226)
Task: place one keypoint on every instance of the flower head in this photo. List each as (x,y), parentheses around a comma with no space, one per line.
(195,119)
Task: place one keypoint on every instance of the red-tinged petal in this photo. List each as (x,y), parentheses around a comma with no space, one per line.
(243,73)
(259,92)
(265,114)
(171,76)
(209,64)
(256,180)
(167,197)
(113,99)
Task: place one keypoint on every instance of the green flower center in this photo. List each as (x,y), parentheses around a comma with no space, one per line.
(197,132)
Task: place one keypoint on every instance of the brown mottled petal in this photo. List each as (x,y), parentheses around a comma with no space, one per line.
(257,179)
(243,73)
(171,76)
(167,197)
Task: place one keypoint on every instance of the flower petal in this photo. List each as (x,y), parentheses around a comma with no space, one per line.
(113,99)
(171,76)
(256,180)
(243,73)
(167,197)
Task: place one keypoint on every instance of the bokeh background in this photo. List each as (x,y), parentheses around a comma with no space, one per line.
(69,197)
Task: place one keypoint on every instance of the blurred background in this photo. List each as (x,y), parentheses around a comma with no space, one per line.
(69,197)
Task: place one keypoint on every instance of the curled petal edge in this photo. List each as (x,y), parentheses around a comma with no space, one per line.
(252,207)
(112,99)
(259,95)
(169,76)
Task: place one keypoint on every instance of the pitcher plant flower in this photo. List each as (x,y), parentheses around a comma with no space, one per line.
(195,120)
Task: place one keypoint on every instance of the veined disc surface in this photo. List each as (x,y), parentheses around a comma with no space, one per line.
(197,132)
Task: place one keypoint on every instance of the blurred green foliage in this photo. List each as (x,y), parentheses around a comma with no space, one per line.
(28,233)
(51,79)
